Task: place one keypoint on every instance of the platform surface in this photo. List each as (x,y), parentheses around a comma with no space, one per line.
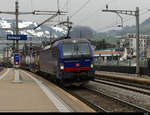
(28,96)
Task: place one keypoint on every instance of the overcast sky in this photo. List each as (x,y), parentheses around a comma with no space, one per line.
(89,15)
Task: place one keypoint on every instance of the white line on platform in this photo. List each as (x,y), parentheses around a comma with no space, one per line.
(2,76)
(50,95)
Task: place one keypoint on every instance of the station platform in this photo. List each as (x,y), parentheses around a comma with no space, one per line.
(143,79)
(35,94)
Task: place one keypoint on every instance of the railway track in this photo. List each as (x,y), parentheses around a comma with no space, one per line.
(101,102)
(130,83)
(104,103)
(92,105)
(130,87)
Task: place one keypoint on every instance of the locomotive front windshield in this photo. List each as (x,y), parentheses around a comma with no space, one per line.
(75,49)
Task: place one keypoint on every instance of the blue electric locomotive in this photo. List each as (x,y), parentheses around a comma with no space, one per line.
(70,60)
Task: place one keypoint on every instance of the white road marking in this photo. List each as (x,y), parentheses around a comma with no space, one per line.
(2,76)
(50,95)
(17,77)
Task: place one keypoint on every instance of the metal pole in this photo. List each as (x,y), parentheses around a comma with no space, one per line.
(13,40)
(7,55)
(3,55)
(137,41)
(16,70)
(137,31)
(121,19)
(17,30)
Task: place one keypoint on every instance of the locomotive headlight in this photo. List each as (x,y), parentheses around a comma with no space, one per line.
(92,65)
(61,66)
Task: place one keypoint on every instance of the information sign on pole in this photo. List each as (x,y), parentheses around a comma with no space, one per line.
(16,37)
(16,59)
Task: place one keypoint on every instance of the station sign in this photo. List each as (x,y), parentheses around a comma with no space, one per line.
(16,37)
(16,59)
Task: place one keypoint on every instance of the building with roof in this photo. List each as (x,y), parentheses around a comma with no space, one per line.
(129,42)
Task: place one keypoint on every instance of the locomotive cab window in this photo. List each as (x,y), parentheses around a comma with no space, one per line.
(68,49)
(83,48)
(75,49)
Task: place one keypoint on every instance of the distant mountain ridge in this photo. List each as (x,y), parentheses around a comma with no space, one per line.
(42,31)
(76,32)
(144,29)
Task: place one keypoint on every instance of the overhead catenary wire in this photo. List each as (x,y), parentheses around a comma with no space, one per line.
(110,26)
(83,6)
(90,15)
(66,4)
(87,17)
(125,20)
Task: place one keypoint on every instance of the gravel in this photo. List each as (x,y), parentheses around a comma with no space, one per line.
(123,94)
